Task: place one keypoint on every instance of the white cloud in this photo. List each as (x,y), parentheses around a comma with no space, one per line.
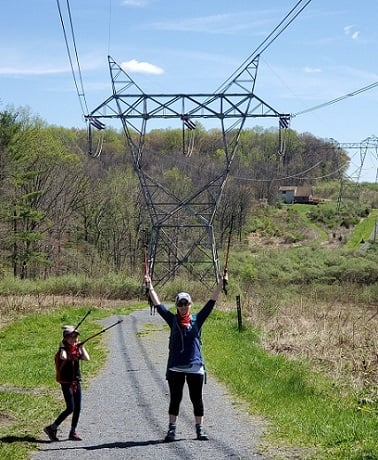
(312,70)
(134,66)
(219,23)
(18,71)
(138,3)
(348,29)
(352,32)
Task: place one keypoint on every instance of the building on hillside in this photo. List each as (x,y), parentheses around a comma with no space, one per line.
(297,194)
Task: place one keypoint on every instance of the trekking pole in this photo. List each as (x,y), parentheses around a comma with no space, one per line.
(147,273)
(146,268)
(225,270)
(79,323)
(98,333)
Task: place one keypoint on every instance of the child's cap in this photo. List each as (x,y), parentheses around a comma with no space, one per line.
(67,330)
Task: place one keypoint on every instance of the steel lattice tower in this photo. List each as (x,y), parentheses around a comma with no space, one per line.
(368,145)
(182,234)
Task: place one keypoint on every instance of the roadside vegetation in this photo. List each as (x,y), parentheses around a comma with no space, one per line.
(309,416)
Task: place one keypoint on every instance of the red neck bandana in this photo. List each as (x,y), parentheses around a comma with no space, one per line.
(72,350)
(184,320)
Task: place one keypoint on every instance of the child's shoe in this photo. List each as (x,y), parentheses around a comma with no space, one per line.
(73,436)
(51,433)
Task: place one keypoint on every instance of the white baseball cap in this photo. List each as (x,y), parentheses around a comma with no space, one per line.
(183,296)
(67,330)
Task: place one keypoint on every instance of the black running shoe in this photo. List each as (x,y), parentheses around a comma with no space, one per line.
(201,434)
(51,433)
(171,435)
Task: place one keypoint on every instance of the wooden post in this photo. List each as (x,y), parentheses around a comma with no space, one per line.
(238,308)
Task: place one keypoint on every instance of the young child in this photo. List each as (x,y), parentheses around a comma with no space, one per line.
(68,375)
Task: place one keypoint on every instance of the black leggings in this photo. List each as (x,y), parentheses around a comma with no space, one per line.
(176,381)
(72,396)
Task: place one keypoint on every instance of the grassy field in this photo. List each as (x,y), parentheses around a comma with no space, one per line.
(364,230)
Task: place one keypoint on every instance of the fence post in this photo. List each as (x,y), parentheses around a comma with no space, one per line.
(238,308)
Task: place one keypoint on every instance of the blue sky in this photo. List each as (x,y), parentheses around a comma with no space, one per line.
(171,46)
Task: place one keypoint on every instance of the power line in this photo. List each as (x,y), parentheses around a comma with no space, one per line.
(325,104)
(276,32)
(292,176)
(80,91)
(109,25)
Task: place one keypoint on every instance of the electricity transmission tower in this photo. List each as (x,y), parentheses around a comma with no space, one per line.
(182,216)
(363,148)
(182,233)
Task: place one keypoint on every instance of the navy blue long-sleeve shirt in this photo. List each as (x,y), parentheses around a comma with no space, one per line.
(185,343)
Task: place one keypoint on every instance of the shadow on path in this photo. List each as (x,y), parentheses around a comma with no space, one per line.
(110,445)
(26,438)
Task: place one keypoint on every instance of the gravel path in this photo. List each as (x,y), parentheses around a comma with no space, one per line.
(125,408)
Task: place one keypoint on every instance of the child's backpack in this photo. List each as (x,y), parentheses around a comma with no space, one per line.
(58,366)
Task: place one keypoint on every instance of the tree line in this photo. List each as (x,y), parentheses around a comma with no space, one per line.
(62,211)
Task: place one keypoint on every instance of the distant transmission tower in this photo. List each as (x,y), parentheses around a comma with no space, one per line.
(365,147)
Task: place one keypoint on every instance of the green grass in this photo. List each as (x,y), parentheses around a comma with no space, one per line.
(303,408)
(110,286)
(303,210)
(363,230)
(27,412)
(36,339)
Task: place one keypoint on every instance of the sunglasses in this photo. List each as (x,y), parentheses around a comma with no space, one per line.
(183,303)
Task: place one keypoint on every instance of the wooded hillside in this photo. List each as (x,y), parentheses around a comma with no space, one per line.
(63,211)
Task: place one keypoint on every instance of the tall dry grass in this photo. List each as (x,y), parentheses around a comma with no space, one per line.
(338,337)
